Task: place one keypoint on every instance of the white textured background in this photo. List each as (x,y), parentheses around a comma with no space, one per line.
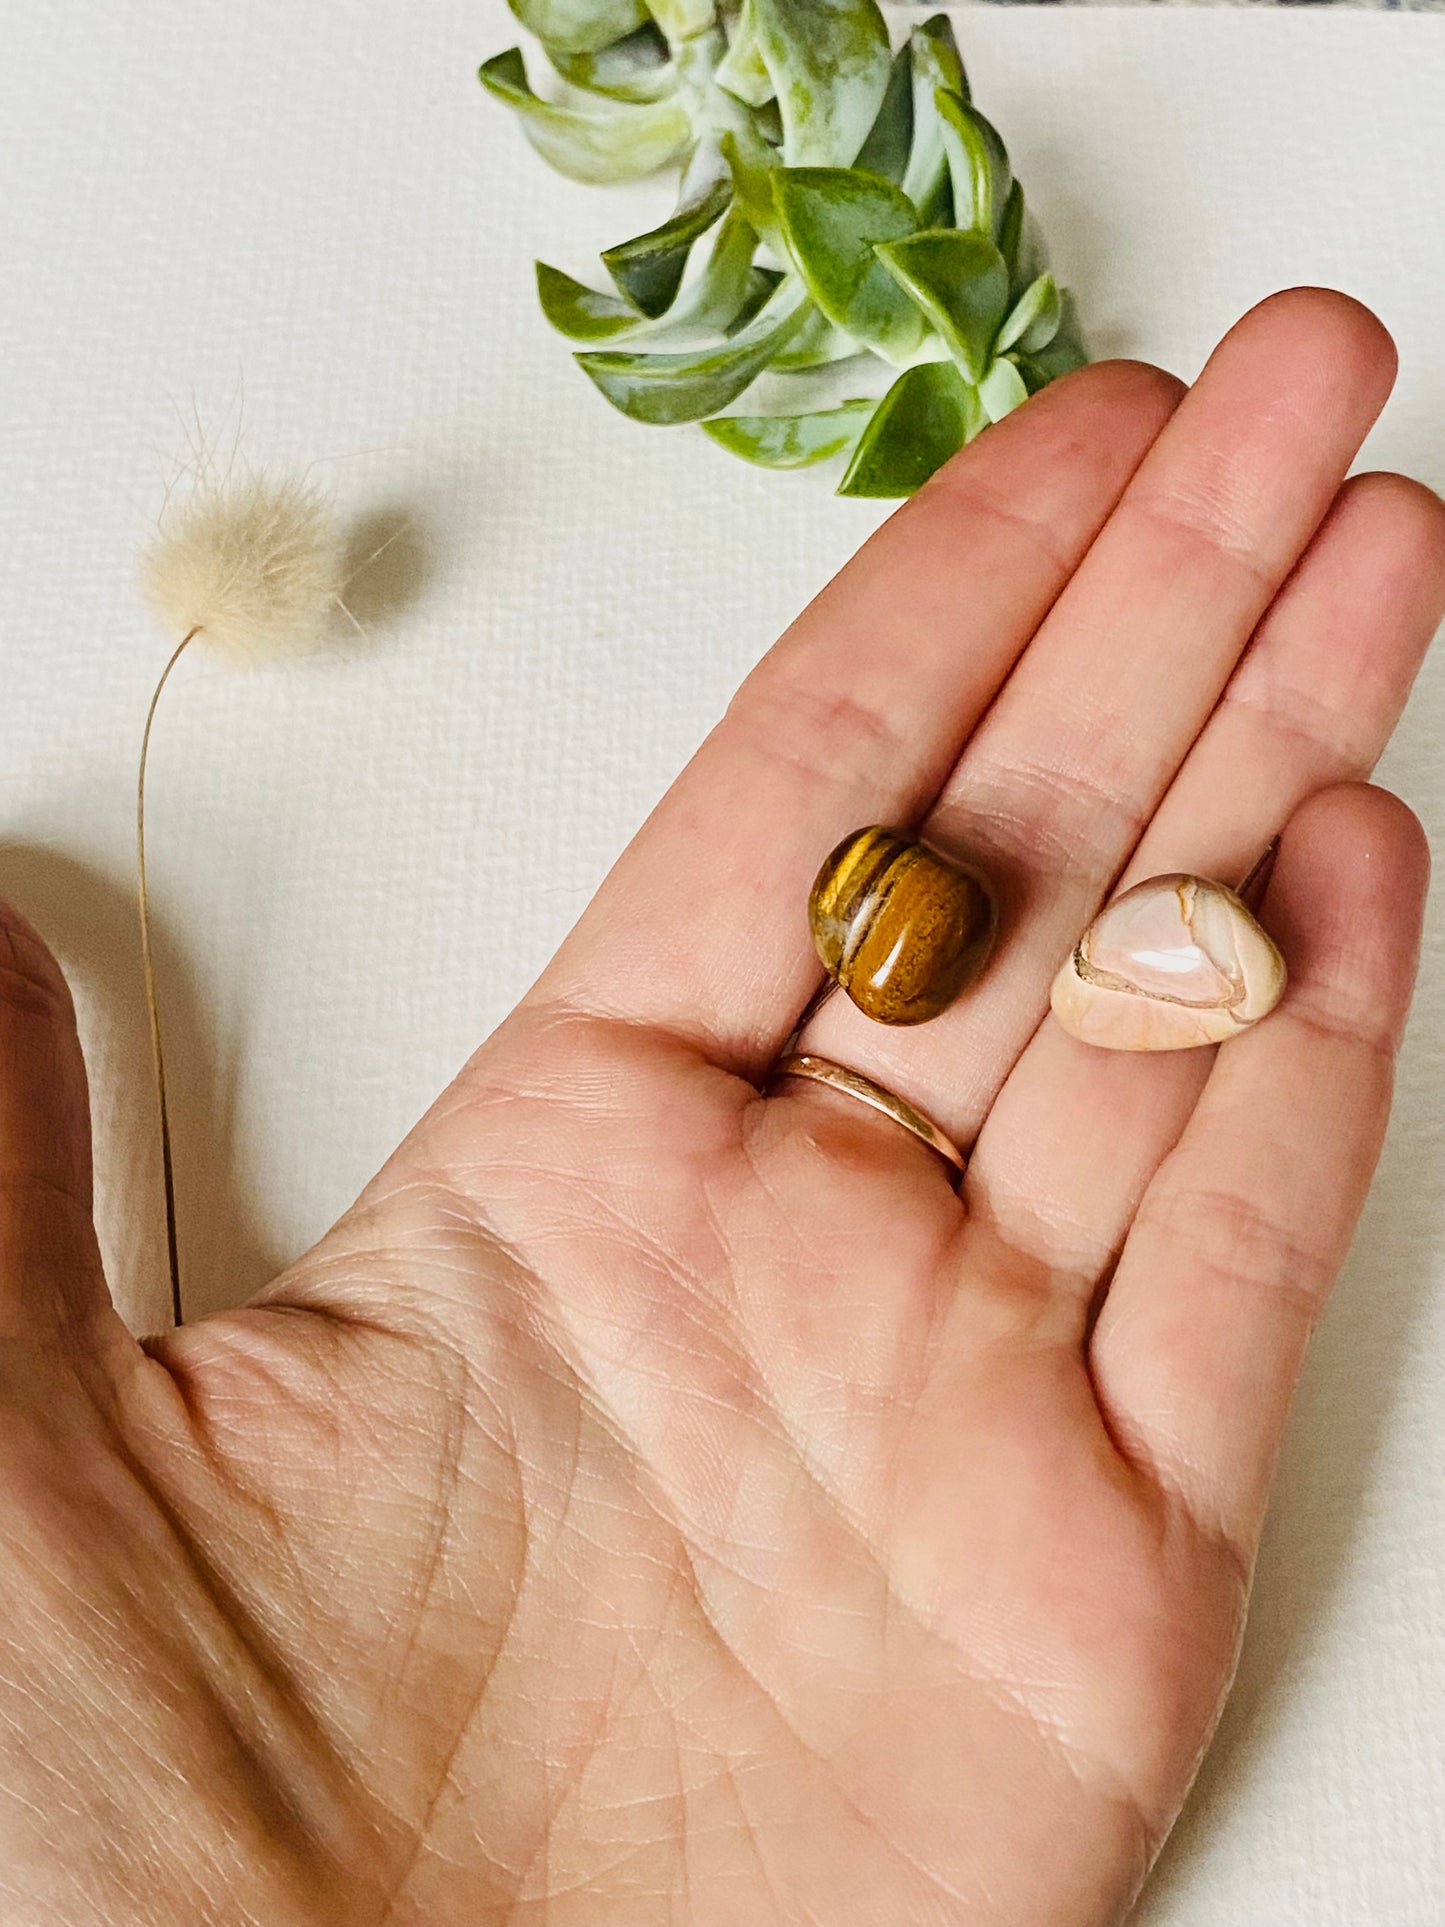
(360,863)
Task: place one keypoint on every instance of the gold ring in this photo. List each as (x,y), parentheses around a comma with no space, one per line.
(854,1084)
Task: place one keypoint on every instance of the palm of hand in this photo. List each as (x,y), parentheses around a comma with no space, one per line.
(659,1501)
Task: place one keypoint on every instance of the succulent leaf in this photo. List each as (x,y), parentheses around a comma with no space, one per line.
(724,297)
(752,164)
(829,61)
(1064,353)
(579,26)
(762,285)
(960,283)
(682,19)
(635,69)
(792,441)
(619,143)
(817,344)
(1011,230)
(1034,319)
(666,388)
(832,219)
(580,312)
(742,70)
(934,51)
(926,416)
(890,139)
(936,66)
(977,163)
(1002,389)
(649,269)
(728,292)
(768,120)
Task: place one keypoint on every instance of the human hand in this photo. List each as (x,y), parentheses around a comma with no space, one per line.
(660,1502)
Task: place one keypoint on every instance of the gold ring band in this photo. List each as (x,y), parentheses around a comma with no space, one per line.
(854,1084)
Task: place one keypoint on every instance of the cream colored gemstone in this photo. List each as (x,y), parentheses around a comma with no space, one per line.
(1171,964)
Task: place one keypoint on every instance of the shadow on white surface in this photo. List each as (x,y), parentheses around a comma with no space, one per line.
(390,563)
(91,926)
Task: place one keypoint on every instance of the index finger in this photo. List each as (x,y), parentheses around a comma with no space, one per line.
(857,716)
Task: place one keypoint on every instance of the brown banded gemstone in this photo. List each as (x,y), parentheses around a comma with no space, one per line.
(899,926)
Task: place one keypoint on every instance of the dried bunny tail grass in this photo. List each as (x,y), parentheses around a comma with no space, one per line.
(253,566)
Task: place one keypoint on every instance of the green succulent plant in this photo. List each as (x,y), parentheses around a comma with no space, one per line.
(838,200)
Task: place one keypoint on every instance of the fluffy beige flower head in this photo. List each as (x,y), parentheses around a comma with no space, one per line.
(255,563)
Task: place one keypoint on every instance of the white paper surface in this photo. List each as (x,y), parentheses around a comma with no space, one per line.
(358,864)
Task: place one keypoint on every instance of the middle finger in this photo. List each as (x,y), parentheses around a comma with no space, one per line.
(1059,779)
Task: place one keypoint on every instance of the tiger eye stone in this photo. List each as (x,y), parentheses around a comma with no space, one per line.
(898,926)
(1174,963)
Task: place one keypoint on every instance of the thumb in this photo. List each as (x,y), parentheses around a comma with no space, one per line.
(50,1270)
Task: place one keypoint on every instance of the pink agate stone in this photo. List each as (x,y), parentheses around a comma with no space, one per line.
(1171,964)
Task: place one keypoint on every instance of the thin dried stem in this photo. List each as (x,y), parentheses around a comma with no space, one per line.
(1255,884)
(148,970)
(810,1010)
(401,529)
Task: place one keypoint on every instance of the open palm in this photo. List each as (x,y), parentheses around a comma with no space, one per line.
(662,1499)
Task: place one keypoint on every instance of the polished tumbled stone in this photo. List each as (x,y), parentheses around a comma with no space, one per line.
(1174,963)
